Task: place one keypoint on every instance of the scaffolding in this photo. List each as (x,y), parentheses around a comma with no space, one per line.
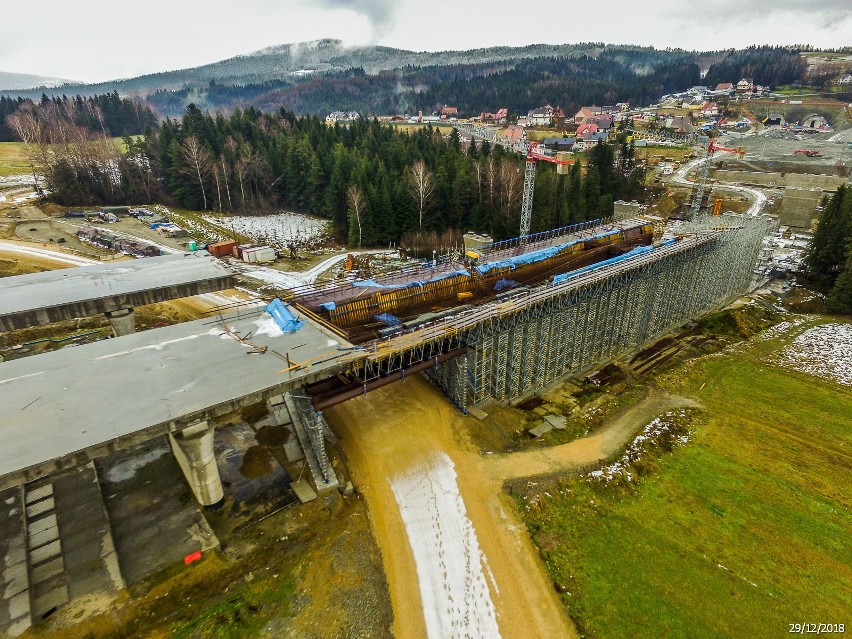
(561,331)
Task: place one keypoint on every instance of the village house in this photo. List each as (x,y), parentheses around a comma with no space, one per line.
(559,144)
(513,134)
(341,116)
(495,118)
(678,124)
(590,127)
(542,116)
(586,114)
(449,112)
(710,110)
(590,140)
(725,87)
(745,85)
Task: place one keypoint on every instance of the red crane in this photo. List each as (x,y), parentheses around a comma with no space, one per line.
(705,171)
(534,154)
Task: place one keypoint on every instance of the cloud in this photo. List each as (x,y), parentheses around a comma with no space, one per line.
(380,13)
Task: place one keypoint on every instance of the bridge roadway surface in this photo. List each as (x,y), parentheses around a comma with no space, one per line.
(66,407)
(61,408)
(52,296)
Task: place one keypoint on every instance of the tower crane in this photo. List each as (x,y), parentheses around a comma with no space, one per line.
(534,154)
(701,183)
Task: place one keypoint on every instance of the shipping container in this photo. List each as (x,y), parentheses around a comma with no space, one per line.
(222,249)
(259,254)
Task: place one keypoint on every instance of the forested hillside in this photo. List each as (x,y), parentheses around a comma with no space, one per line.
(110,113)
(375,184)
(324,76)
(829,257)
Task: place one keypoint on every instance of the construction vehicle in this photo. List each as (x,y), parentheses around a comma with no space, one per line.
(534,154)
(811,153)
(705,171)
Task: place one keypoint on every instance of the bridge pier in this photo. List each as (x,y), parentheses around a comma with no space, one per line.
(123,321)
(193,449)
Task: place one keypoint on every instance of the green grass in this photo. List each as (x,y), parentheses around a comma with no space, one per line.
(763,489)
(13,160)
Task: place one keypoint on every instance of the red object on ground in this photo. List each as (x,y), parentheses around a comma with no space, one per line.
(195,556)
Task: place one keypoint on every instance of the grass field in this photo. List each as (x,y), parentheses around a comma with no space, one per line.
(738,533)
(13,161)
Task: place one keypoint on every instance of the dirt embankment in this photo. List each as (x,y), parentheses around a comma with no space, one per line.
(397,430)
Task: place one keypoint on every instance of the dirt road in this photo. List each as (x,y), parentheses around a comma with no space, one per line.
(401,432)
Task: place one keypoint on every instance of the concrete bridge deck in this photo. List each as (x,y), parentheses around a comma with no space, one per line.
(62,408)
(52,296)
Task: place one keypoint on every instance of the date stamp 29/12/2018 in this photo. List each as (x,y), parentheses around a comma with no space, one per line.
(817,628)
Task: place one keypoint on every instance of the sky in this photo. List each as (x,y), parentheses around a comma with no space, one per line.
(99,40)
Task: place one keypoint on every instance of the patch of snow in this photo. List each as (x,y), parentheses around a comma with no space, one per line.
(267,326)
(127,468)
(823,351)
(276,230)
(454,593)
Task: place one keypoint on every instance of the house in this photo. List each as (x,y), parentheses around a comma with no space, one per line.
(678,124)
(710,110)
(559,144)
(542,116)
(341,116)
(449,112)
(815,122)
(724,87)
(774,119)
(513,134)
(622,106)
(495,118)
(745,85)
(590,140)
(604,122)
(586,114)
(589,127)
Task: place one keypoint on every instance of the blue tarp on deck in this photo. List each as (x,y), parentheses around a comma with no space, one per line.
(539,255)
(283,316)
(639,250)
(437,278)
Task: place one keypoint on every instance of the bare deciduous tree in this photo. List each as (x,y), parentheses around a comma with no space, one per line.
(196,156)
(422,187)
(355,199)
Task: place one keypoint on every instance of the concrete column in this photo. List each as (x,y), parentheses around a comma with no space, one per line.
(123,321)
(193,449)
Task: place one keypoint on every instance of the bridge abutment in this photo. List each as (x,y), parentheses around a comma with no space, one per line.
(123,321)
(193,449)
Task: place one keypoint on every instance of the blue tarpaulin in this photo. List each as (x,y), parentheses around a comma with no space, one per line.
(329,306)
(283,316)
(539,255)
(504,283)
(388,319)
(613,260)
(437,278)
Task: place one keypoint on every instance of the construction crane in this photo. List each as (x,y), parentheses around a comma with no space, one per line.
(534,154)
(705,171)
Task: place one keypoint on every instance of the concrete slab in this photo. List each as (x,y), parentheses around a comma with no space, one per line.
(51,296)
(557,421)
(39,507)
(19,605)
(476,412)
(303,491)
(48,601)
(43,537)
(74,403)
(49,569)
(39,493)
(48,551)
(541,429)
(154,518)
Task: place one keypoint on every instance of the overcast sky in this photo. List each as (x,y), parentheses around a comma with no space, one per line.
(95,40)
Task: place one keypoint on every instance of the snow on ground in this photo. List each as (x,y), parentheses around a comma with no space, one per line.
(56,256)
(275,230)
(824,351)
(450,565)
(292,279)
